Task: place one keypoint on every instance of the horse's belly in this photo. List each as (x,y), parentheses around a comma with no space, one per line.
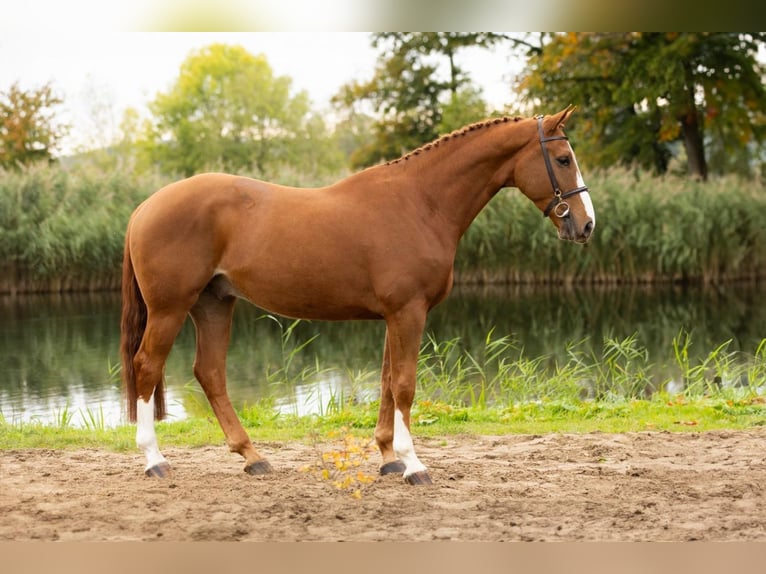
(305,297)
(312,309)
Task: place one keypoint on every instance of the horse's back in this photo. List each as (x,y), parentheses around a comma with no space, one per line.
(208,193)
(283,248)
(200,208)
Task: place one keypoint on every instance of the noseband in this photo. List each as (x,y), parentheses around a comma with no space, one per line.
(557,205)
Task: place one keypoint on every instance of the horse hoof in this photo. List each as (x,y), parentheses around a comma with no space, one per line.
(259,467)
(395,467)
(418,478)
(161,470)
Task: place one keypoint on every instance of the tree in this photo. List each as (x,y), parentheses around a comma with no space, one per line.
(464,106)
(646,96)
(29,131)
(403,96)
(409,98)
(227,110)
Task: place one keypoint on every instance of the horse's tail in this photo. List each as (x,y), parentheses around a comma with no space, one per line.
(132,327)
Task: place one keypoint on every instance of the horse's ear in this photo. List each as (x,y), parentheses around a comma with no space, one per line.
(558,120)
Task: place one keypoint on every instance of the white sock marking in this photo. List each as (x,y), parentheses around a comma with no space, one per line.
(146,439)
(403,446)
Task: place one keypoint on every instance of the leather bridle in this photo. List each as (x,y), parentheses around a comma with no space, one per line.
(557,205)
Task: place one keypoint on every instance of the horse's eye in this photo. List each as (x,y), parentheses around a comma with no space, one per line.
(563,161)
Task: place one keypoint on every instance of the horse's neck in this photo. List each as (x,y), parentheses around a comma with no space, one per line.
(458,177)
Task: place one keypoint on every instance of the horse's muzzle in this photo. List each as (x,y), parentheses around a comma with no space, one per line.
(570,231)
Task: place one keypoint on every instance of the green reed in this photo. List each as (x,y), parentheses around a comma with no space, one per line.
(93,419)
(648,229)
(286,370)
(62,228)
(501,374)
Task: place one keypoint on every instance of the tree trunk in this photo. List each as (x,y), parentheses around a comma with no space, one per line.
(691,129)
(695,148)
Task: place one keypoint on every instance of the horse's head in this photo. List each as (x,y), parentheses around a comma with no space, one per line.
(548,174)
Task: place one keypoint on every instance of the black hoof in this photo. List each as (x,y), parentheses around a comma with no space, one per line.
(259,467)
(395,467)
(161,470)
(418,478)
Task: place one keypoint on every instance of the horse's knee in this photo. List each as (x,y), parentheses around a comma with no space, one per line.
(404,395)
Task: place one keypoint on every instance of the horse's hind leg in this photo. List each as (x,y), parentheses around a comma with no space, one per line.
(212,320)
(149,364)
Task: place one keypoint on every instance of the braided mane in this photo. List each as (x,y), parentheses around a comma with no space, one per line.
(454,135)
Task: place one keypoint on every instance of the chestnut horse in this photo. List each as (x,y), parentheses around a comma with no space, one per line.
(379,244)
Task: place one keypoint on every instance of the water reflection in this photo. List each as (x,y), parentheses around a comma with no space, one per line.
(56,351)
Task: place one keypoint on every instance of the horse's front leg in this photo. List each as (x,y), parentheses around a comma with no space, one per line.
(403,337)
(384,430)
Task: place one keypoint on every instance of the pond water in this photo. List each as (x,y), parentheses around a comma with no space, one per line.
(58,353)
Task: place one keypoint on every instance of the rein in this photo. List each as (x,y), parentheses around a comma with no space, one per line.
(557,205)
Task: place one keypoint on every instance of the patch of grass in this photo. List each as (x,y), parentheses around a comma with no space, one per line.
(662,412)
(23,435)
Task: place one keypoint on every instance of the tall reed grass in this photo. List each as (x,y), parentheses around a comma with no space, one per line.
(648,229)
(500,374)
(62,229)
(503,375)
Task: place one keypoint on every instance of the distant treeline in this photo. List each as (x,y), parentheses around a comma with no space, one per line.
(62,229)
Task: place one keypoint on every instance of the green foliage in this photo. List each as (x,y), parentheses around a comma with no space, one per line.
(465,106)
(62,229)
(660,413)
(647,230)
(228,111)
(414,102)
(503,376)
(29,131)
(648,97)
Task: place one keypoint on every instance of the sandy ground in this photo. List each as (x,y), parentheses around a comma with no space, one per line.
(596,487)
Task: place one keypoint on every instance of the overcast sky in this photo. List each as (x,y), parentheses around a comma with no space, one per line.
(99,75)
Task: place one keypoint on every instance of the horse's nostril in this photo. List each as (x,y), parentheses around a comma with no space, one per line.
(588,229)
